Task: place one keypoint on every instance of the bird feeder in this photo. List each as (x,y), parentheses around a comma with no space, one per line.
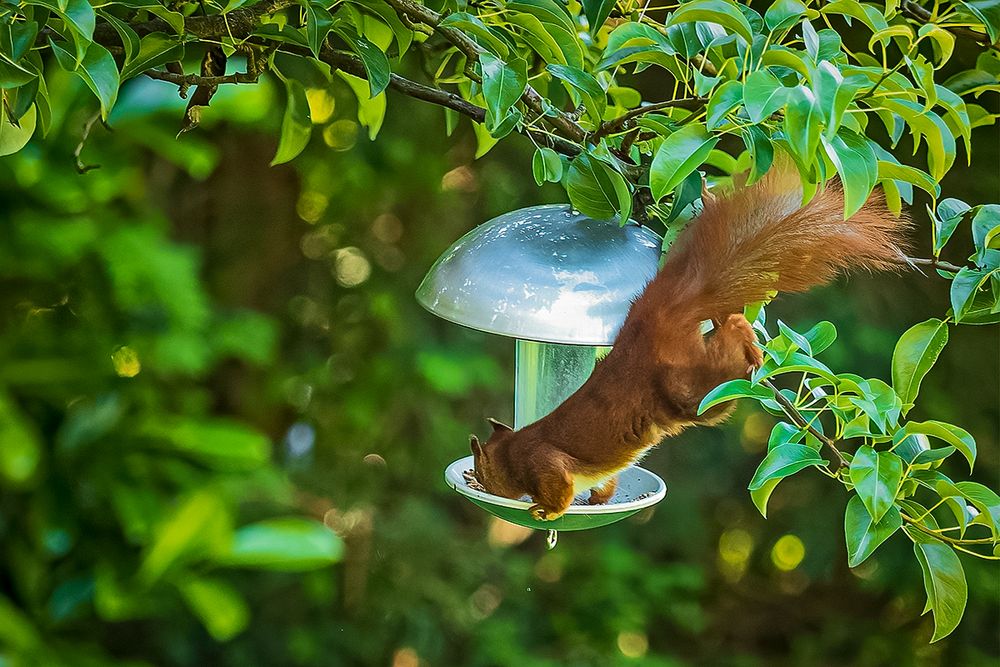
(561,284)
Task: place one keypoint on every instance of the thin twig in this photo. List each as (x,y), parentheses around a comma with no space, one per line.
(915,11)
(793,413)
(353,65)
(188,80)
(957,543)
(932,262)
(82,168)
(618,124)
(559,120)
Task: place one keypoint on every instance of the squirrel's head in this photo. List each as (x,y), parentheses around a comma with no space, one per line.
(489,462)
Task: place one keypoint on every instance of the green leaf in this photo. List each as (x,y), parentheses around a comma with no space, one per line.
(503,86)
(876,477)
(984,226)
(296,125)
(20,443)
(479,31)
(911,175)
(375,61)
(763,94)
(782,461)
(863,535)
(597,12)
(155,49)
(760,496)
(591,92)
(319,21)
(726,98)
(733,389)
(199,527)
(678,156)
(857,165)
(964,288)
(219,606)
(949,214)
(371,110)
(986,501)
(986,12)
(943,41)
(927,124)
(688,192)
(955,436)
(933,455)
(218,443)
(947,591)
(761,151)
(916,351)
(802,124)
(783,14)
(546,166)
(721,12)
(288,544)
(130,39)
(867,14)
(98,71)
(14,137)
(597,190)
(821,336)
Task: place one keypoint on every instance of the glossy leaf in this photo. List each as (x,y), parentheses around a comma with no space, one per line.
(955,436)
(876,477)
(864,535)
(916,351)
(782,461)
(597,190)
(678,156)
(296,125)
(947,591)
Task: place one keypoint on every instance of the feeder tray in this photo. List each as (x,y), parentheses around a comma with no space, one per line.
(637,489)
(561,283)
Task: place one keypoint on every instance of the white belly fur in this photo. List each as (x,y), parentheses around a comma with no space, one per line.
(583,483)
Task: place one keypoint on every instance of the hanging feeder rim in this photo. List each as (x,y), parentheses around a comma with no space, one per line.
(453,477)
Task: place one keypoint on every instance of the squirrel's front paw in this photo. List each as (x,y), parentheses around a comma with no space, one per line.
(540,513)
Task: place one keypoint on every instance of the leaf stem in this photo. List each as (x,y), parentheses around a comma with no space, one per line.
(793,413)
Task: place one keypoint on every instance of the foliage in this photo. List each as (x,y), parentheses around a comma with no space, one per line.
(743,85)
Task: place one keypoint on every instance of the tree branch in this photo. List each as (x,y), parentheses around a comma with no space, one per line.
(932,262)
(187,80)
(618,124)
(915,11)
(793,413)
(353,65)
(562,122)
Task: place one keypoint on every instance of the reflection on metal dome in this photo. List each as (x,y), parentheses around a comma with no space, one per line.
(544,273)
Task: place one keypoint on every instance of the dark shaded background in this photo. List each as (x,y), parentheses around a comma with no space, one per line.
(282,298)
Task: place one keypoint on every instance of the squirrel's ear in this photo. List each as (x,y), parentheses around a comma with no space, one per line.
(475,446)
(497,425)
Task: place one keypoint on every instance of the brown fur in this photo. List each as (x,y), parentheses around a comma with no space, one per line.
(740,249)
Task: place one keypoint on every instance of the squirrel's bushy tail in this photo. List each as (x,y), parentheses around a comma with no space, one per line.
(759,239)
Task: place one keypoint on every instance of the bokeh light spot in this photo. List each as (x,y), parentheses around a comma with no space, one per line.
(788,553)
(341,135)
(126,362)
(351,267)
(633,644)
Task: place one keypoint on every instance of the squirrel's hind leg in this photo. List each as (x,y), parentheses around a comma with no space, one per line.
(599,495)
(728,354)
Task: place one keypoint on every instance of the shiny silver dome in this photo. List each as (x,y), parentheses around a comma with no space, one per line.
(544,273)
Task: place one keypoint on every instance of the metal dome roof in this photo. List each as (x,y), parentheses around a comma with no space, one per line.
(543,273)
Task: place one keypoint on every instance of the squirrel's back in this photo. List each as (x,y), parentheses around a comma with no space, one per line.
(758,240)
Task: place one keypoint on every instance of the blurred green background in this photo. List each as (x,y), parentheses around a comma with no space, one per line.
(192,343)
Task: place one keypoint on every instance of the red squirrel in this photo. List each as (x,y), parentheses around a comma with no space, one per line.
(740,249)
